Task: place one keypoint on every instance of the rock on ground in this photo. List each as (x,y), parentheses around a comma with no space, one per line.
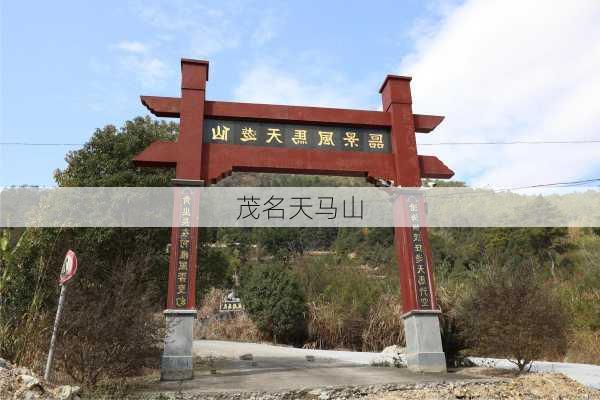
(18,383)
(530,386)
(394,349)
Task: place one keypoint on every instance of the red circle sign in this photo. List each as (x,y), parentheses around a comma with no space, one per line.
(69,267)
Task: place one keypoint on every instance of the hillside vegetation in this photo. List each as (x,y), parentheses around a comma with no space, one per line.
(320,287)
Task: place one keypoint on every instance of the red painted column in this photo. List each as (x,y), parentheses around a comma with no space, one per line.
(414,266)
(184,239)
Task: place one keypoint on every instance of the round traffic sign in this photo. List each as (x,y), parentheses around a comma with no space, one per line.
(69,267)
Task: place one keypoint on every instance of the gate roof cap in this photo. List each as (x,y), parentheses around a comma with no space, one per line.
(199,62)
(394,77)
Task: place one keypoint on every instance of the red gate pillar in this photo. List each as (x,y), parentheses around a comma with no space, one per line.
(180,315)
(421,322)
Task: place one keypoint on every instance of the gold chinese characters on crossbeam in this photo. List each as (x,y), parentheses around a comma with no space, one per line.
(267,134)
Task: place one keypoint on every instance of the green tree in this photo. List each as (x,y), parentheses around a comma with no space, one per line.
(105,160)
(103,253)
(370,246)
(458,250)
(275,302)
(281,243)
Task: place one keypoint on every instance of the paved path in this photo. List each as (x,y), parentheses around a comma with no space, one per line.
(278,368)
(204,348)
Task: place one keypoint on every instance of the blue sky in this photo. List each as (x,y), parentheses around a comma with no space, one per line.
(69,67)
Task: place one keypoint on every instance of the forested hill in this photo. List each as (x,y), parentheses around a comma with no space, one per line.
(341,284)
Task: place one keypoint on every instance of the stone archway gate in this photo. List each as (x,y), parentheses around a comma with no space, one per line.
(218,137)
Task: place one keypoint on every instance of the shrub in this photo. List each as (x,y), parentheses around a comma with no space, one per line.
(22,320)
(350,306)
(384,324)
(215,270)
(210,303)
(238,326)
(509,313)
(371,246)
(275,302)
(453,341)
(108,330)
(281,243)
(584,347)
(332,327)
(582,291)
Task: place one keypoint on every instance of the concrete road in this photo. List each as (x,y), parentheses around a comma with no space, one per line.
(278,368)
(204,348)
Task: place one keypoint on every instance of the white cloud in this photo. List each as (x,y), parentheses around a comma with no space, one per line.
(508,70)
(138,59)
(208,40)
(211,28)
(149,71)
(269,83)
(132,47)
(266,29)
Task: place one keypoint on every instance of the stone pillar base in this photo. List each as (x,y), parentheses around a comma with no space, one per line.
(176,362)
(424,351)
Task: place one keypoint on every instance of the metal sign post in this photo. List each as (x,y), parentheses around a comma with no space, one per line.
(67,272)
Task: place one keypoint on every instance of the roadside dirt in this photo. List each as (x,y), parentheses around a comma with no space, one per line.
(493,384)
(528,386)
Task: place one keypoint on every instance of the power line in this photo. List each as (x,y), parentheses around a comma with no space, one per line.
(38,144)
(491,191)
(578,183)
(555,184)
(528,142)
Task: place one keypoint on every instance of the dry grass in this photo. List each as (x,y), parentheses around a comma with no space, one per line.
(584,347)
(27,341)
(237,326)
(332,328)
(385,326)
(211,303)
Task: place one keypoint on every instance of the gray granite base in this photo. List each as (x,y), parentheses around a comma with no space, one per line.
(177,360)
(424,351)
